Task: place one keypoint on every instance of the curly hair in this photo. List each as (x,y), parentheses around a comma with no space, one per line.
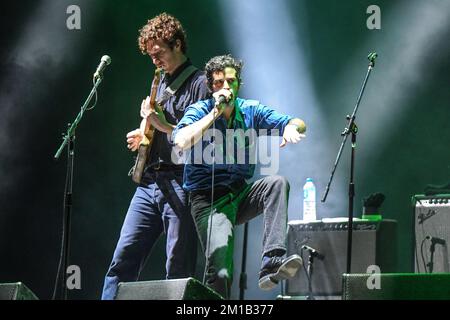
(219,63)
(162,27)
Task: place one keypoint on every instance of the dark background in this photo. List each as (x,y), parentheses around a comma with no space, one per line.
(45,76)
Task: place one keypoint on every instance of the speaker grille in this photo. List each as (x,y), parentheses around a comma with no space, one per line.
(401,286)
(175,289)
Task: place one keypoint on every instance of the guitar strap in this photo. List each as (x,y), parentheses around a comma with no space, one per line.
(171,90)
(175,85)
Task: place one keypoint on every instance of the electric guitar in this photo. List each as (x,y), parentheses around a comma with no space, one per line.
(146,144)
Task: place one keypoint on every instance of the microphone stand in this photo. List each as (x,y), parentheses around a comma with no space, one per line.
(353,129)
(309,271)
(69,139)
(309,274)
(243,277)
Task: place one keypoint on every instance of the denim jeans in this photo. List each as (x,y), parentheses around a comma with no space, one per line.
(159,204)
(236,205)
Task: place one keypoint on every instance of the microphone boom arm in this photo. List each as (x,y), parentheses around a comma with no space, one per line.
(350,129)
(351,126)
(71,130)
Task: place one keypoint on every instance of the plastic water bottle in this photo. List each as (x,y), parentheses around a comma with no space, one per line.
(309,200)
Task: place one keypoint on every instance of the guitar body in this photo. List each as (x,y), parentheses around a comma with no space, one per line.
(139,166)
(146,143)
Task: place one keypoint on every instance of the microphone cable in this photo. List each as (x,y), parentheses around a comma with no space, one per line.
(423,256)
(209,228)
(62,267)
(304,266)
(95,101)
(211,210)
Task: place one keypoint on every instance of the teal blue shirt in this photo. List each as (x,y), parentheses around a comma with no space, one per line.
(234,145)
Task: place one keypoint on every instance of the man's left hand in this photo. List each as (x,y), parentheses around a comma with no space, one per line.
(291,135)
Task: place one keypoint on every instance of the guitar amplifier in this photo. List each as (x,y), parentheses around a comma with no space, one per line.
(432,233)
(374,244)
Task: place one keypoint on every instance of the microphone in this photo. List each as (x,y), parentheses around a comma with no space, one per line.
(435,240)
(313,252)
(372,56)
(221,99)
(106,60)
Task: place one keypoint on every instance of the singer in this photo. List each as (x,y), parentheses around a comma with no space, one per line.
(160,203)
(234,201)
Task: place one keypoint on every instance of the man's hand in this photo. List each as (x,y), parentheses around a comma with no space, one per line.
(145,108)
(291,135)
(134,138)
(223,92)
(156,117)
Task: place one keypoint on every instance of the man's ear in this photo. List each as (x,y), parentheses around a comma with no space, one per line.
(178,45)
(239,84)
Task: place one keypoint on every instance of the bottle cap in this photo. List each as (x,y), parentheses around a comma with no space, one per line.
(371,213)
(372,217)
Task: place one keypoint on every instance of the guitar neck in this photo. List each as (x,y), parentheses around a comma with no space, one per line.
(146,125)
(147,128)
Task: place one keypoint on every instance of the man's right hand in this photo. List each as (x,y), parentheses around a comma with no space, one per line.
(228,97)
(134,138)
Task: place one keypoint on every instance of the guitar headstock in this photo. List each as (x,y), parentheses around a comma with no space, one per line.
(158,73)
(156,80)
(146,108)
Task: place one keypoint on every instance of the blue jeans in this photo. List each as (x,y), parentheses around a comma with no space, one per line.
(159,204)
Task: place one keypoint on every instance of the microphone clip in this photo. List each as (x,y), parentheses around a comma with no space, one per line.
(313,252)
(435,240)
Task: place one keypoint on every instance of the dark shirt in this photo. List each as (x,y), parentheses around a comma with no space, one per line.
(192,90)
(235,142)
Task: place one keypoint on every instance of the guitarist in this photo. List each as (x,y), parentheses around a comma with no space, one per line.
(160,204)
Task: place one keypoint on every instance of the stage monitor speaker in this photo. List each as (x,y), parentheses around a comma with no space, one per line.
(175,289)
(432,233)
(401,286)
(16,291)
(374,244)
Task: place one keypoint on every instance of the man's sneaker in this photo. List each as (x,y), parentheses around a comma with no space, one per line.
(278,269)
